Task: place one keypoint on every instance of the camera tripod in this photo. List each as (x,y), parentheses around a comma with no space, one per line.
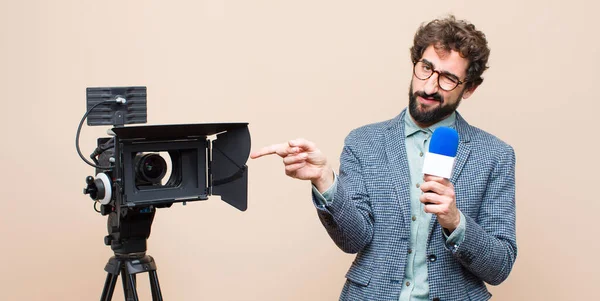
(128,266)
(127,235)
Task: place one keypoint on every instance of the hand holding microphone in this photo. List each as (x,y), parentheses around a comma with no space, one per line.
(438,192)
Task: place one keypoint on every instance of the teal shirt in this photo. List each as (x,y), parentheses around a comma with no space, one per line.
(415,286)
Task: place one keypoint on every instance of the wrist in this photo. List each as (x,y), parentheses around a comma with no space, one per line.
(325,180)
(450,228)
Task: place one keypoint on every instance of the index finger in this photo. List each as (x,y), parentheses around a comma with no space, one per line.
(441,180)
(281,149)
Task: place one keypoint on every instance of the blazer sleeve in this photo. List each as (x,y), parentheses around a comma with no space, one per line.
(348,218)
(489,248)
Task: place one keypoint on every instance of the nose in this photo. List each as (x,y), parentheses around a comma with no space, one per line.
(431,84)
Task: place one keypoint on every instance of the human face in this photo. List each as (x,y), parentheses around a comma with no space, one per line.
(428,104)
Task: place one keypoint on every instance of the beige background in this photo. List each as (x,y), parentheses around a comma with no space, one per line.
(313,69)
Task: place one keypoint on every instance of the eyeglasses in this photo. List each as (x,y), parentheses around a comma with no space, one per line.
(446,82)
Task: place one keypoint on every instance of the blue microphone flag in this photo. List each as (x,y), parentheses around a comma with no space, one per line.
(439,161)
(444,141)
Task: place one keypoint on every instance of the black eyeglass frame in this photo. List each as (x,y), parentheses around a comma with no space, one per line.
(458,83)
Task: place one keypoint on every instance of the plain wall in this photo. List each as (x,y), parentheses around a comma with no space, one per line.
(313,69)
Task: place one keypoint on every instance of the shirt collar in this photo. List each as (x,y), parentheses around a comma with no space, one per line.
(410,127)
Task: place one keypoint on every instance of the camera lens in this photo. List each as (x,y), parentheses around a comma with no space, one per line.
(150,168)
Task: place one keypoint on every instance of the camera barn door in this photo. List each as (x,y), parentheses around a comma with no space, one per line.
(230,152)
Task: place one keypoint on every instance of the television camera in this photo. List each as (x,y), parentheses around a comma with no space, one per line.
(142,168)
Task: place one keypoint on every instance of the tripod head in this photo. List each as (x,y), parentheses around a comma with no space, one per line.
(129,232)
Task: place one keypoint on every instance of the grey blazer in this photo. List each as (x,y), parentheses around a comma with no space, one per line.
(370,215)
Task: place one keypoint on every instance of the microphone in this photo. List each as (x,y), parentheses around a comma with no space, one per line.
(439,161)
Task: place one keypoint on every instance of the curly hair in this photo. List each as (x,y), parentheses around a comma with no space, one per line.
(458,35)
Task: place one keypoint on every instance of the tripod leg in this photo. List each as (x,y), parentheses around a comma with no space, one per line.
(155,286)
(132,287)
(126,285)
(109,287)
(129,285)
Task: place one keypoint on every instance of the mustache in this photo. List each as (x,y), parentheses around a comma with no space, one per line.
(434,96)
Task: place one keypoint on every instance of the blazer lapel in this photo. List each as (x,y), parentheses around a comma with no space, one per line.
(464,134)
(461,159)
(398,164)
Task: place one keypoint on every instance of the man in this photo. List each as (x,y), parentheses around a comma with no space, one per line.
(419,237)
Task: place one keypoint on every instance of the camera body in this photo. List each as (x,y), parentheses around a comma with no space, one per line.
(142,168)
(197,166)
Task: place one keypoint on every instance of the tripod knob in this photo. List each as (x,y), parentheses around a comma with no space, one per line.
(108,240)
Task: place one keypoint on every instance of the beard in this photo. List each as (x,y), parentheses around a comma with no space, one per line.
(430,115)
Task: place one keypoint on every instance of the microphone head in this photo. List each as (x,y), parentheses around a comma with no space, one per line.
(444,141)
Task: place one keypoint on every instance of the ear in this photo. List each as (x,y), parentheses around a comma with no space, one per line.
(467,93)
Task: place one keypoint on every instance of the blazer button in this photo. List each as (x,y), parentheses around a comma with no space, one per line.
(432,258)
(436,299)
